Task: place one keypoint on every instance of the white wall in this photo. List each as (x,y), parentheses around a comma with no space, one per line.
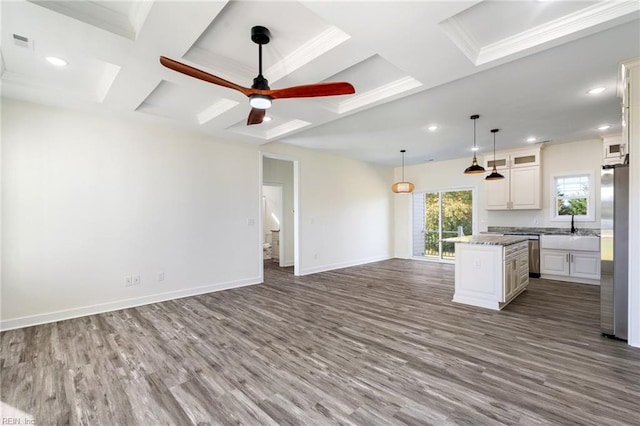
(429,177)
(582,156)
(345,208)
(88,200)
(281,172)
(557,159)
(634,202)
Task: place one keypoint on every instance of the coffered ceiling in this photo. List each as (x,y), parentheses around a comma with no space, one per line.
(524,66)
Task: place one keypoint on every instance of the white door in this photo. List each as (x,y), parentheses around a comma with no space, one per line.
(585,265)
(525,188)
(554,262)
(497,192)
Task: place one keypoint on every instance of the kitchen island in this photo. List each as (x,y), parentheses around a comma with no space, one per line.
(491,270)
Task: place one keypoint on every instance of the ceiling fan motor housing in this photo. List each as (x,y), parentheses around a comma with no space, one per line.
(260,35)
(260,83)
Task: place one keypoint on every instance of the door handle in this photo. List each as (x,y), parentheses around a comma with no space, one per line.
(567,257)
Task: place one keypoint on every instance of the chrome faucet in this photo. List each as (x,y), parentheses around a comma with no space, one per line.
(573,227)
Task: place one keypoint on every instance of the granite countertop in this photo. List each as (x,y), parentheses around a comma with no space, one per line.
(508,230)
(491,240)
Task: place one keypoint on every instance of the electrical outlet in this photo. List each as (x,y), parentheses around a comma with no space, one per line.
(136,279)
(160,276)
(128,281)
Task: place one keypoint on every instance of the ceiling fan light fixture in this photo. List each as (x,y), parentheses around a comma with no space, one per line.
(474,168)
(403,187)
(494,172)
(260,101)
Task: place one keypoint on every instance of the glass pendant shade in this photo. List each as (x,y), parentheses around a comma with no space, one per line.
(474,168)
(402,187)
(494,172)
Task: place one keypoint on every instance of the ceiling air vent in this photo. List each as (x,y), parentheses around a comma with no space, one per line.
(22,41)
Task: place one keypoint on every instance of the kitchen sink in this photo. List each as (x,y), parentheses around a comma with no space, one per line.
(570,242)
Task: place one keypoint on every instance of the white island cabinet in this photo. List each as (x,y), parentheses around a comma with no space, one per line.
(490,270)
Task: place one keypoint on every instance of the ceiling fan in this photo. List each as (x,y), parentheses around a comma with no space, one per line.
(260,95)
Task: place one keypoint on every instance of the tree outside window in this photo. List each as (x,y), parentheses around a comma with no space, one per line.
(572,195)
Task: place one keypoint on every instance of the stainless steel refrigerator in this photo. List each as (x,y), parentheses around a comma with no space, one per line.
(614,251)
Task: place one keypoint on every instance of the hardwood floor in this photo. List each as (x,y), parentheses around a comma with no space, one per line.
(375,344)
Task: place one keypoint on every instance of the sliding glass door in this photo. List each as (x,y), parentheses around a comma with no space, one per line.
(439,215)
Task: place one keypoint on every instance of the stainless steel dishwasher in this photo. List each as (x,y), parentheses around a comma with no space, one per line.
(534,250)
(534,256)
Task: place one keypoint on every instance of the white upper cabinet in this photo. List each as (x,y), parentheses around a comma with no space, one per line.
(520,188)
(614,149)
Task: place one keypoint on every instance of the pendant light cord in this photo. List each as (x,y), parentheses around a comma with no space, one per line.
(403,165)
(474,136)
(494,131)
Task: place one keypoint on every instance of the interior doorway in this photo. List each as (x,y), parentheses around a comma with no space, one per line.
(272,219)
(279,201)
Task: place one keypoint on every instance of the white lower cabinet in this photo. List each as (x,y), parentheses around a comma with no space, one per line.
(555,262)
(559,264)
(490,276)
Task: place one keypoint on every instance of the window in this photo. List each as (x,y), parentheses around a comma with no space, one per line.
(439,215)
(573,196)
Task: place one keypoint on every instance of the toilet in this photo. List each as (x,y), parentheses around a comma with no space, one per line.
(267,247)
(266,250)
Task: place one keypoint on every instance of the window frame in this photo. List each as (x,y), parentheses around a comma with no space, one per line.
(591,205)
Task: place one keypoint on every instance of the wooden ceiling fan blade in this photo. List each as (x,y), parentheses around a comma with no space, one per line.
(202,75)
(256,116)
(313,90)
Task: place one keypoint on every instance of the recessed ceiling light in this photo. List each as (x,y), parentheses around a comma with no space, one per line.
(433,128)
(604,127)
(58,62)
(532,139)
(596,90)
(266,118)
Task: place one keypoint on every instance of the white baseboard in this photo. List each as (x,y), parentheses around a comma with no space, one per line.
(476,301)
(324,268)
(570,279)
(28,321)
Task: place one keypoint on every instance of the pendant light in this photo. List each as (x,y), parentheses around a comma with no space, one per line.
(403,187)
(474,167)
(494,173)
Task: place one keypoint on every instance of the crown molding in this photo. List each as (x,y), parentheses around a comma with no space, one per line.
(314,48)
(224,67)
(138,14)
(271,133)
(461,38)
(558,28)
(218,108)
(287,127)
(376,95)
